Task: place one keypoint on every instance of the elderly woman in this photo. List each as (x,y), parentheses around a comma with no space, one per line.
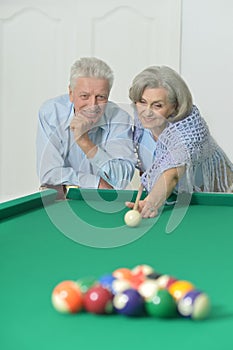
(175,149)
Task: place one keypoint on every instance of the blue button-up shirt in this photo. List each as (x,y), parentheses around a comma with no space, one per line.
(61,161)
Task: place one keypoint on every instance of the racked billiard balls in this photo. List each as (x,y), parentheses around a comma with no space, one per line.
(67,297)
(98,300)
(161,304)
(129,303)
(132,218)
(195,304)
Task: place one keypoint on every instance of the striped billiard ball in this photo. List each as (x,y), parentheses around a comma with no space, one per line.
(194,304)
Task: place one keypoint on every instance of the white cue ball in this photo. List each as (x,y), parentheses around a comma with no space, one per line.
(132,218)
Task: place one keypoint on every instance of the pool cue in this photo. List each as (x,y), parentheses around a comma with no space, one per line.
(135,207)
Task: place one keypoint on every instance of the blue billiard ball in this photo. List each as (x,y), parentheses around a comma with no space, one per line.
(106,281)
(129,303)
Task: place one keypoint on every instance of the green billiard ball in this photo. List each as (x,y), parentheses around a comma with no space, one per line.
(161,304)
(86,283)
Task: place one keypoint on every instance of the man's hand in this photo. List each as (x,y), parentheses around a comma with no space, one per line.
(80,126)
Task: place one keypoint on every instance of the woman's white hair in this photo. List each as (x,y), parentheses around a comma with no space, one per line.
(90,67)
(164,77)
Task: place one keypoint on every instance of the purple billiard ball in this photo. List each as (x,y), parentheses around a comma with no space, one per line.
(129,303)
(194,304)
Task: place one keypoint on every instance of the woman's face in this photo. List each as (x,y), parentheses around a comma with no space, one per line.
(154,109)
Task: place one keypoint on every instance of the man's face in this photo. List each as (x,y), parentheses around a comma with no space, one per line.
(90,96)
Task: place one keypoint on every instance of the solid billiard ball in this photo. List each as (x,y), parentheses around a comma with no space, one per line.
(86,283)
(179,288)
(67,297)
(195,304)
(107,281)
(153,275)
(129,303)
(122,273)
(132,218)
(161,304)
(98,300)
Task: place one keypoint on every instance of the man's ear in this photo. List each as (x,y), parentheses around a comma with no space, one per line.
(71,94)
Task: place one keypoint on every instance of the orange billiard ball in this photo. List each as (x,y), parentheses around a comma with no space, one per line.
(67,297)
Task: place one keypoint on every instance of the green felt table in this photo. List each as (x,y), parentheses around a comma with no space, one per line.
(44,241)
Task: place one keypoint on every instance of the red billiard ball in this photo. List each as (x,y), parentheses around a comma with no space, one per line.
(98,300)
(143,269)
(67,297)
(129,303)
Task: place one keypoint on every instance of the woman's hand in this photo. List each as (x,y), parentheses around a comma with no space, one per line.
(145,207)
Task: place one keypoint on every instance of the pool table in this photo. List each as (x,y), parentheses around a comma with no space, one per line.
(44,241)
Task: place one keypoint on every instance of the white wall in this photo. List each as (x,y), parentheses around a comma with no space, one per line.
(40,39)
(207,63)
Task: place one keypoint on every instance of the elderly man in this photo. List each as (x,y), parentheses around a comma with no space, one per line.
(83,138)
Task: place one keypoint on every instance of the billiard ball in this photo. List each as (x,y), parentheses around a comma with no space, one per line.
(98,300)
(119,285)
(164,281)
(132,218)
(161,304)
(179,288)
(139,274)
(153,275)
(129,303)
(86,283)
(107,281)
(67,297)
(148,288)
(122,273)
(195,304)
(144,269)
